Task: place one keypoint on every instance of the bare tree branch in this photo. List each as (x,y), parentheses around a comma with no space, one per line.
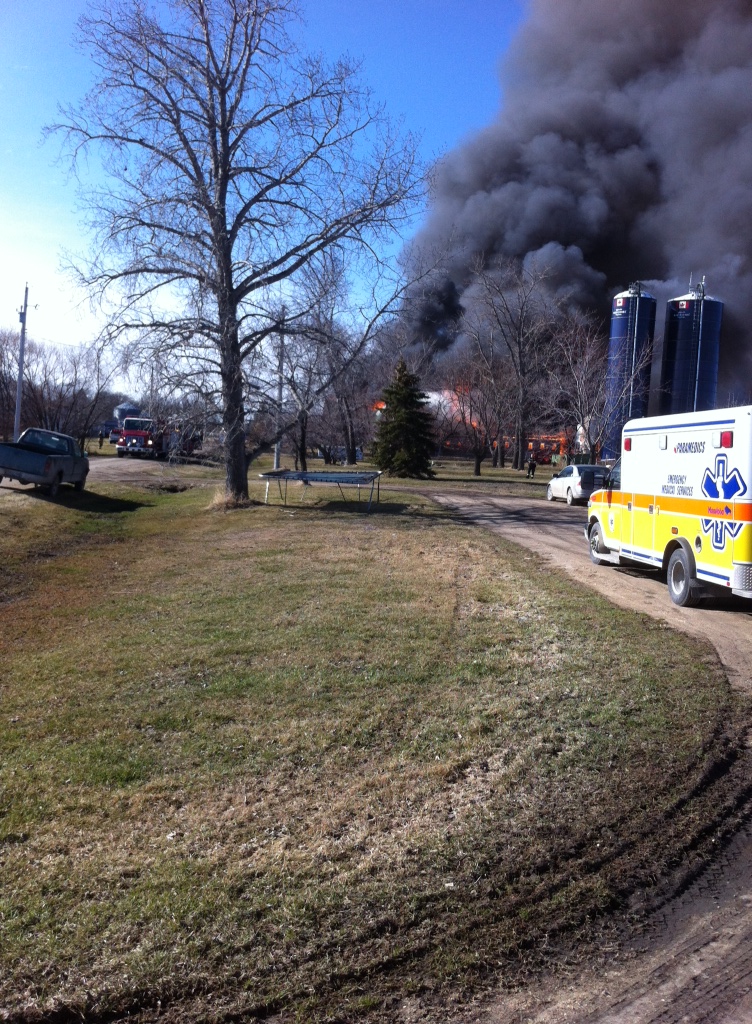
(234,164)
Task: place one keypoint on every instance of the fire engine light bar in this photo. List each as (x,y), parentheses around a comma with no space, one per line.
(627,444)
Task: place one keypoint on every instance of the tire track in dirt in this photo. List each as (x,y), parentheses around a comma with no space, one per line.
(692,961)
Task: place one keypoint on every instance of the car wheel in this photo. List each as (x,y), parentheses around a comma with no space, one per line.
(597,547)
(570,497)
(549,493)
(54,487)
(1,479)
(680,580)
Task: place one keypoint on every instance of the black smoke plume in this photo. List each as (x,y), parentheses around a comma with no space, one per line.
(622,152)
(439,314)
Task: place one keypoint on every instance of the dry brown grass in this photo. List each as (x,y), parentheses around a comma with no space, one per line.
(308,761)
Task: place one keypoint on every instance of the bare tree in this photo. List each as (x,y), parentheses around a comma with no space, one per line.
(577,372)
(233,163)
(10,342)
(509,320)
(586,397)
(326,352)
(472,400)
(67,389)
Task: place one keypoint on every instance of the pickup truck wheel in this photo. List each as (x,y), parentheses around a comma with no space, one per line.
(549,493)
(597,547)
(679,579)
(54,487)
(79,485)
(1,479)
(120,455)
(570,498)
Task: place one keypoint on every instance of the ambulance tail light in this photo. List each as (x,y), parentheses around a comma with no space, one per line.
(723,438)
(627,444)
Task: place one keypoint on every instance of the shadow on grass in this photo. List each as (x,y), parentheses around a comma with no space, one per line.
(438,515)
(89,501)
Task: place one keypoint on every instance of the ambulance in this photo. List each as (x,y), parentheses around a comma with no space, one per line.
(680,500)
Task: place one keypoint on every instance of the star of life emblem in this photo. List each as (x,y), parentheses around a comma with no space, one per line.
(722,486)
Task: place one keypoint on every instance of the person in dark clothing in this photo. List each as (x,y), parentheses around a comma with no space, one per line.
(531,464)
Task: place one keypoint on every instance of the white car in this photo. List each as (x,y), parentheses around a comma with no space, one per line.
(576,483)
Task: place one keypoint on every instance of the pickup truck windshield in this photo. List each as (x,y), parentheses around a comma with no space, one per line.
(50,442)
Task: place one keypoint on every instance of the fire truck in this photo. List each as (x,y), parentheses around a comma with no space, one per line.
(155,439)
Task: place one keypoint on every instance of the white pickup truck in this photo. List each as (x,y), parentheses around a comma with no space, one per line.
(46,459)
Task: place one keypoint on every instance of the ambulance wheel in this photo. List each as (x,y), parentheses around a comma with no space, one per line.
(570,498)
(597,547)
(680,580)
(549,493)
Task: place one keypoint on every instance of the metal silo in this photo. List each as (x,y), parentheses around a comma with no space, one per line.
(630,356)
(125,409)
(691,344)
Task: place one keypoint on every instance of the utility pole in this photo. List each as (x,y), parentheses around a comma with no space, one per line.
(19,384)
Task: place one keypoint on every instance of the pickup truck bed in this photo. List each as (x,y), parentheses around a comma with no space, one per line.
(44,458)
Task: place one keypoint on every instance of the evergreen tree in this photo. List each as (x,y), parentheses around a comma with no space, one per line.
(404,442)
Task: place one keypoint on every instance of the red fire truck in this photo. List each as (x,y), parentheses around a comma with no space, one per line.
(155,439)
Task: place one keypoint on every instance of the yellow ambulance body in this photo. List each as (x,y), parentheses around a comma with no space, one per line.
(680,500)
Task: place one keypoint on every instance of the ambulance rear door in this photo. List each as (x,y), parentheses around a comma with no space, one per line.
(639,474)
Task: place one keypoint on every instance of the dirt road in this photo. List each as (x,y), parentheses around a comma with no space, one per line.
(693,963)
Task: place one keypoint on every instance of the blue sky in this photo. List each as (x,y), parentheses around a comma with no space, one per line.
(432,62)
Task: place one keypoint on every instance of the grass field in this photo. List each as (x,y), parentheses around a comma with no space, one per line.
(308,762)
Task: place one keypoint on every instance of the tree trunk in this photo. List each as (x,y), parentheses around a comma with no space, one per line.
(348,430)
(478,459)
(303,439)
(520,440)
(236,468)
